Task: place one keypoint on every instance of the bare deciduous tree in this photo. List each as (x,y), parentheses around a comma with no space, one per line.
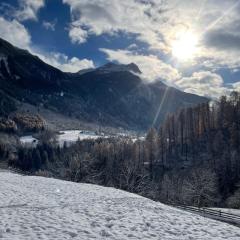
(200,187)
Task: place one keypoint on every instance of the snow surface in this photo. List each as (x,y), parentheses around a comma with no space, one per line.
(72,136)
(68,136)
(43,208)
(28,140)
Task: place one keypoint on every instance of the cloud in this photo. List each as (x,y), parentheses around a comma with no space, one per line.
(78,35)
(221,43)
(111,17)
(50,25)
(28,9)
(15,33)
(223,40)
(132,46)
(203,83)
(151,66)
(66,64)
(236,86)
(154,22)
(157,22)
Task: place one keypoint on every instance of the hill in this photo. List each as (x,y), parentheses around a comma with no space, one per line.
(43,208)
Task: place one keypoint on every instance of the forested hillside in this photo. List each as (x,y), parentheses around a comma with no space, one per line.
(193,158)
(206,141)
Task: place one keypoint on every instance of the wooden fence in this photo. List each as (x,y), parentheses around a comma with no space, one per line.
(222,216)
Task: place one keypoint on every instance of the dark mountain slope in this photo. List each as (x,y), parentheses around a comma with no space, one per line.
(28,71)
(110,95)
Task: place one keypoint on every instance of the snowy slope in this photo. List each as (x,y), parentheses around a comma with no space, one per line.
(42,208)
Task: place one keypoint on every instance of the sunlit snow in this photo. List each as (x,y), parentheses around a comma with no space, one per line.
(42,208)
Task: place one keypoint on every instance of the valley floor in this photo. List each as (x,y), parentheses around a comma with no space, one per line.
(44,208)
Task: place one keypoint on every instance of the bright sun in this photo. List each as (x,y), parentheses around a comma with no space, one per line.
(184,47)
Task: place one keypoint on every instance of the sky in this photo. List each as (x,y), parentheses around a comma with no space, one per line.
(193,45)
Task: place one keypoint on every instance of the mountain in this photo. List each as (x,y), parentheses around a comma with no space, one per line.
(113,94)
(27,71)
(112,67)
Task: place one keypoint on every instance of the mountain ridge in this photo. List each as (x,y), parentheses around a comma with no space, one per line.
(113,94)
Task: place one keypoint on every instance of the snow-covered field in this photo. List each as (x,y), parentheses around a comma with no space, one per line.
(28,140)
(68,137)
(43,208)
(72,136)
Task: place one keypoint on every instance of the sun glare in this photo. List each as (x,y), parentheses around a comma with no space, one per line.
(184,47)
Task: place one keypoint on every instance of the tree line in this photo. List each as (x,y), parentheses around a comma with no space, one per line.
(192,158)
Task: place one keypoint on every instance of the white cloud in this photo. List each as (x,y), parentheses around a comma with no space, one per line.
(151,66)
(15,33)
(28,9)
(203,83)
(132,46)
(66,64)
(216,22)
(50,25)
(113,16)
(78,35)
(156,22)
(152,22)
(236,86)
